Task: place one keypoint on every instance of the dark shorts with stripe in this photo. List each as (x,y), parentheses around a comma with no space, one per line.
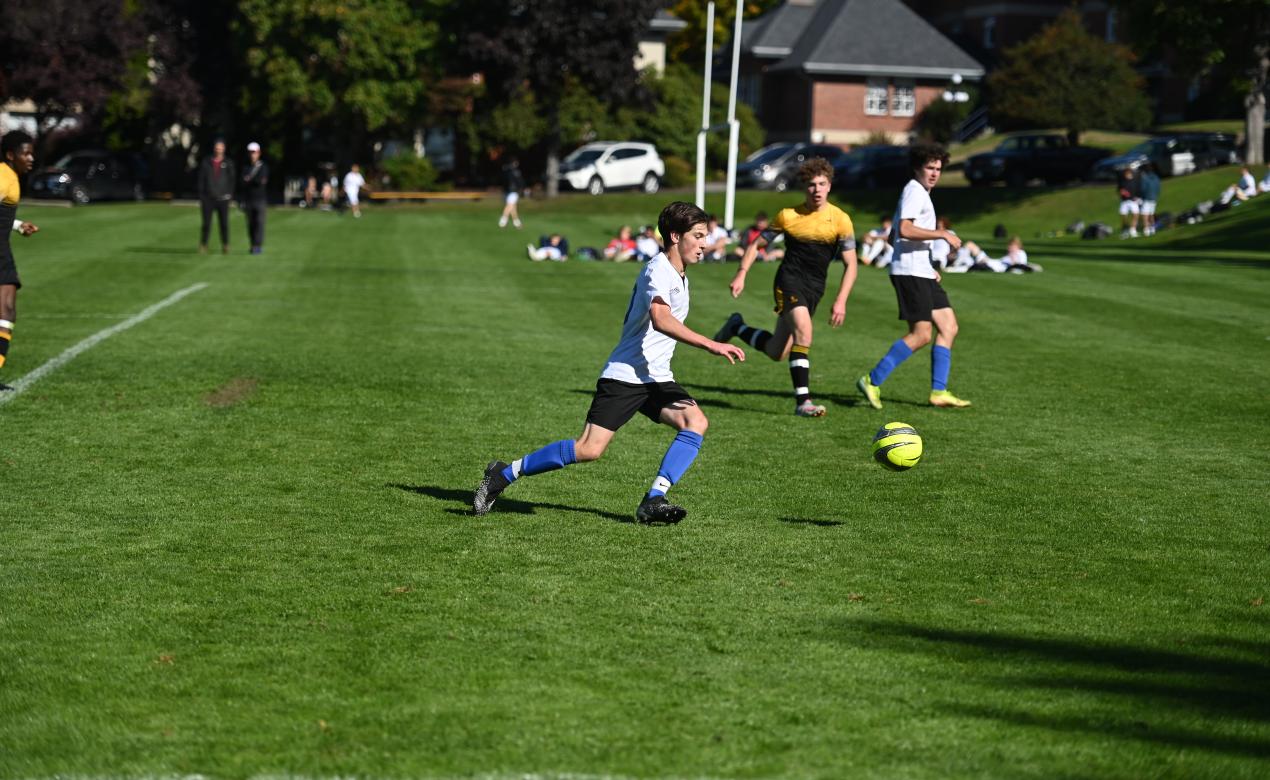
(8,268)
(615,403)
(791,290)
(918,297)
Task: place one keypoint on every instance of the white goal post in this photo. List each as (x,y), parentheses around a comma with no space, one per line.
(732,125)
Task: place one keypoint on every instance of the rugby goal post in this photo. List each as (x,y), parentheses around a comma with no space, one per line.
(731,125)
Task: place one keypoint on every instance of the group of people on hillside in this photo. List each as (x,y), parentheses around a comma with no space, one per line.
(1245,188)
(219,183)
(637,377)
(1139,192)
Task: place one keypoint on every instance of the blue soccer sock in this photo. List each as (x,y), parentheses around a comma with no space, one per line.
(555,455)
(898,353)
(940,365)
(679,456)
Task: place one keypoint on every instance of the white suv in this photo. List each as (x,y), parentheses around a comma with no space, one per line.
(604,165)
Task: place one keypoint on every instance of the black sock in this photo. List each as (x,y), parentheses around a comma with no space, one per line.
(800,372)
(755,337)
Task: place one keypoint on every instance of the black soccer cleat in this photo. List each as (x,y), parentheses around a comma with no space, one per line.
(656,510)
(4,387)
(492,484)
(730,327)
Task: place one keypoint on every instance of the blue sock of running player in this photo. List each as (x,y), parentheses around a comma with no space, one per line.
(940,365)
(679,456)
(898,353)
(755,337)
(555,455)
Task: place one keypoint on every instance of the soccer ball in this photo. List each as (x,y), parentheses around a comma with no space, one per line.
(897,446)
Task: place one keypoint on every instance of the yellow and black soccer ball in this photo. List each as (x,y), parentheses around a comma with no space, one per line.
(897,446)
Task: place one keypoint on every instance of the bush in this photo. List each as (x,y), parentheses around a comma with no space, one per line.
(939,120)
(406,172)
(878,138)
(679,172)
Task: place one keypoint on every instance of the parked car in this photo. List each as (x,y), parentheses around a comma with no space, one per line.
(1020,158)
(1174,154)
(872,167)
(775,166)
(86,176)
(606,165)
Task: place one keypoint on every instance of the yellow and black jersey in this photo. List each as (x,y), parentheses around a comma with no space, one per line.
(10,192)
(813,239)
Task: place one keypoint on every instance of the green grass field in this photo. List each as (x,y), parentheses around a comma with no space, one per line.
(237,540)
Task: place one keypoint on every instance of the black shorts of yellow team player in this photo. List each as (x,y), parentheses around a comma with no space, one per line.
(8,268)
(616,402)
(791,290)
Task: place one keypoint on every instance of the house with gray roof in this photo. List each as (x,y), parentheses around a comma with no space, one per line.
(835,71)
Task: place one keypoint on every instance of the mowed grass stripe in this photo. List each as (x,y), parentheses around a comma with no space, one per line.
(205,575)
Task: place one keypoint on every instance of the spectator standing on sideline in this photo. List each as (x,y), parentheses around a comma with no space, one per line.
(215,191)
(353,183)
(513,184)
(255,199)
(1129,205)
(1149,188)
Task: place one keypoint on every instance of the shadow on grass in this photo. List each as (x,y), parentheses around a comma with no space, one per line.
(165,250)
(1166,689)
(705,403)
(504,505)
(809,521)
(1166,255)
(838,400)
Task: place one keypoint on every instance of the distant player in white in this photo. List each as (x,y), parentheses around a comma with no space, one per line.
(922,301)
(637,377)
(353,183)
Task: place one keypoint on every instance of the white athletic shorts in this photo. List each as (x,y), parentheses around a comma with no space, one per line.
(1148,207)
(1128,207)
(352,196)
(512,198)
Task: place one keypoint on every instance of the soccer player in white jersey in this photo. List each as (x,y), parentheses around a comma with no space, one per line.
(637,377)
(922,301)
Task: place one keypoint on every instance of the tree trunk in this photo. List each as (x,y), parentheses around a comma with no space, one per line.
(1255,105)
(1255,128)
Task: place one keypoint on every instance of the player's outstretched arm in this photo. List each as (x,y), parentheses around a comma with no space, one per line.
(838,314)
(665,322)
(747,260)
(913,232)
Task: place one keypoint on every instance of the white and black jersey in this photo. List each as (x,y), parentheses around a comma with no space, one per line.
(913,256)
(643,355)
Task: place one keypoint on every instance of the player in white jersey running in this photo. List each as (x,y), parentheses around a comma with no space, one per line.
(922,301)
(637,377)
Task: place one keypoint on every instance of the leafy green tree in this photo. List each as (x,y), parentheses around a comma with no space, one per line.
(361,62)
(1065,77)
(688,45)
(545,47)
(1212,37)
(673,125)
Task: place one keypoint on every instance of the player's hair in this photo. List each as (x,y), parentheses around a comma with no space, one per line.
(921,154)
(759,215)
(679,217)
(813,167)
(13,140)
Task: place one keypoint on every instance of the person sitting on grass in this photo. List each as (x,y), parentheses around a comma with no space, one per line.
(877,245)
(717,240)
(1264,186)
(767,253)
(647,246)
(622,247)
(553,247)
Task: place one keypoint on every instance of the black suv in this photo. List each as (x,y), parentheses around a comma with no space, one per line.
(83,177)
(775,166)
(872,167)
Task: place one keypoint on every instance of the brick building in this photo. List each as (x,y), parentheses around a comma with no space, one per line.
(835,71)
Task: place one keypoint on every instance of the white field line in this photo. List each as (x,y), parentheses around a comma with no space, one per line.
(21,384)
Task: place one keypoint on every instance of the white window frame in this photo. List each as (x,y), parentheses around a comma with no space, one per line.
(904,98)
(876,97)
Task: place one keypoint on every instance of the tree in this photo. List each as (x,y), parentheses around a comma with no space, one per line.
(688,45)
(1065,77)
(67,56)
(1209,36)
(543,47)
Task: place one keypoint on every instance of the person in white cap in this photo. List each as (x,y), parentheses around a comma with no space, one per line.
(353,183)
(255,198)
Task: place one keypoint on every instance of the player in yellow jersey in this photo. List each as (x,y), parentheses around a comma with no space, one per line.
(17,157)
(816,233)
